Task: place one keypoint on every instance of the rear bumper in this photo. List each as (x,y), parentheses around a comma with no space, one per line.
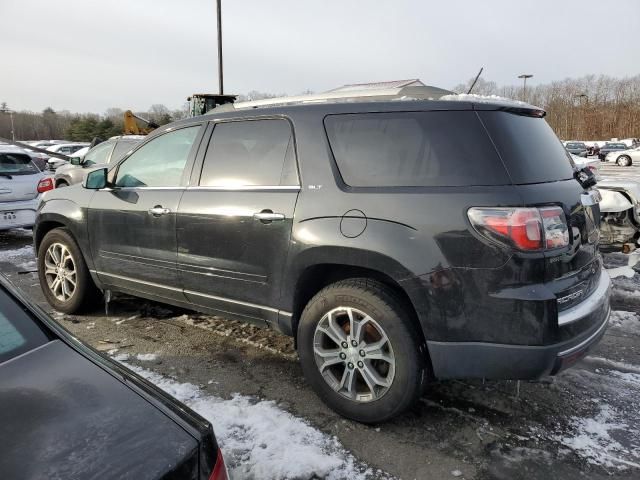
(23,211)
(524,362)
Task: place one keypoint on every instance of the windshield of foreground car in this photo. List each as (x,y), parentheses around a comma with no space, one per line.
(17,164)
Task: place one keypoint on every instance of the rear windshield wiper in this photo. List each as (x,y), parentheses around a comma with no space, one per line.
(6,175)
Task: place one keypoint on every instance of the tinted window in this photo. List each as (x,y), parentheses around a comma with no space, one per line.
(16,164)
(122,147)
(99,153)
(18,331)
(255,152)
(530,150)
(414,149)
(160,162)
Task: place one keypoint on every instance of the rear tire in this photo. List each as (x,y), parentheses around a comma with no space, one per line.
(62,184)
(64,277)
(382,373)
(624,161)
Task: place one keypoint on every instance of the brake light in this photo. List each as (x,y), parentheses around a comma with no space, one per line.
(528,229)
(220,470)
(44,185)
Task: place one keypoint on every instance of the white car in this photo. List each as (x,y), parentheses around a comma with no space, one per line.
(65,149)
(21,184)
(624,158)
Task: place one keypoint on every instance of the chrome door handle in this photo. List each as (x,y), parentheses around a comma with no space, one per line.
(268,216)
(158,211)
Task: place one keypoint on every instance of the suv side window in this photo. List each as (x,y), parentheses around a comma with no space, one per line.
(98,154)
(250,153)
(122,147)
(160,162)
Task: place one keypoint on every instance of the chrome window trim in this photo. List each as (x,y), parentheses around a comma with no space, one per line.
(585,307)
(246,188)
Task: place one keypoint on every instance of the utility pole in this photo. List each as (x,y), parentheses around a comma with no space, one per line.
(524,77)
(220,76)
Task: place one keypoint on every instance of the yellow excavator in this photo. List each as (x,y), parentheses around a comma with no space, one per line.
(131,126)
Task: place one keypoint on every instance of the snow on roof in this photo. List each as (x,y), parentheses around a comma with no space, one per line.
(472,97)
(413,82)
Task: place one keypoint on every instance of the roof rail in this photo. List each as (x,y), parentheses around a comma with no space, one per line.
(403,93)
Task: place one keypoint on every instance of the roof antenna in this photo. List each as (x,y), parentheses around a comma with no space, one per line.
(476,79)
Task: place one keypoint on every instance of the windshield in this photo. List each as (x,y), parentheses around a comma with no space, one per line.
(576,145)
(16,164)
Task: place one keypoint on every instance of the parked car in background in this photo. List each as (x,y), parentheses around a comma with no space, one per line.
(99,156)
(332,222)
(67,148)
(577,148)
(610,147)
(68,412)
(624,158)
(21,184)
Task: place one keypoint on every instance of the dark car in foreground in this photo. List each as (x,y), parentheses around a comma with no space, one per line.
(610,147)
(577,148)
(397,241)
(67,412)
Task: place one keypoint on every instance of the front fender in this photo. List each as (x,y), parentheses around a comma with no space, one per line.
(57,212)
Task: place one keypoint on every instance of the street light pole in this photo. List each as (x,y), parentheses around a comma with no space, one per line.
(524,77)
(220,80)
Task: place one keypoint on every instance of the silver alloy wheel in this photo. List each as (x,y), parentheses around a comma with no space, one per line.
(60,271)
(354,354)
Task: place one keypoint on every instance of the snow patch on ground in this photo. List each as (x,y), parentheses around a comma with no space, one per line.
(146,357)
(25,251)
(625,271)
(628,322)
(594,439)
(30,265)
(260,440)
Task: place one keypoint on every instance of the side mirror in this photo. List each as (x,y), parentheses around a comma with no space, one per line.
(585,177)
(96,180)
(76,160)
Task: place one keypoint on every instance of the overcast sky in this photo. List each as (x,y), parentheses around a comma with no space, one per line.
(88,55)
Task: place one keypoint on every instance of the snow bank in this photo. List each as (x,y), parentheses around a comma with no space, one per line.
(261,441)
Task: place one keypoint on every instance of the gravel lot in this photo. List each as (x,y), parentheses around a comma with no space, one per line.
(585,423)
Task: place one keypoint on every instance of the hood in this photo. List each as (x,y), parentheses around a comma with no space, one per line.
(632,187)
(65,417)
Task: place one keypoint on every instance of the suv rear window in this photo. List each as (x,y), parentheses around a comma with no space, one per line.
(16,164)
(414,149)
(529,148)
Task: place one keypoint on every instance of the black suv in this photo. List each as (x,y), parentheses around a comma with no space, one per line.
(396,241)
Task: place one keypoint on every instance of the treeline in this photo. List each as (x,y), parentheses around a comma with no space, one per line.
(50,124)
(587,108)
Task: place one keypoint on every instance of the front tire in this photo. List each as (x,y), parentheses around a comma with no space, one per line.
(360,350)
(63,273)
(624,161)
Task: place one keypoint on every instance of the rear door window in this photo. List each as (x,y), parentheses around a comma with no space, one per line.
(99,154)
(250,153)
(529,148)
(414,149)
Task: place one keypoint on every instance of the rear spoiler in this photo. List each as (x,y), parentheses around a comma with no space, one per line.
(35,149)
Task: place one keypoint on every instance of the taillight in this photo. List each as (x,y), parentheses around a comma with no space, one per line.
(45,185)
(527,229)
(220,470)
